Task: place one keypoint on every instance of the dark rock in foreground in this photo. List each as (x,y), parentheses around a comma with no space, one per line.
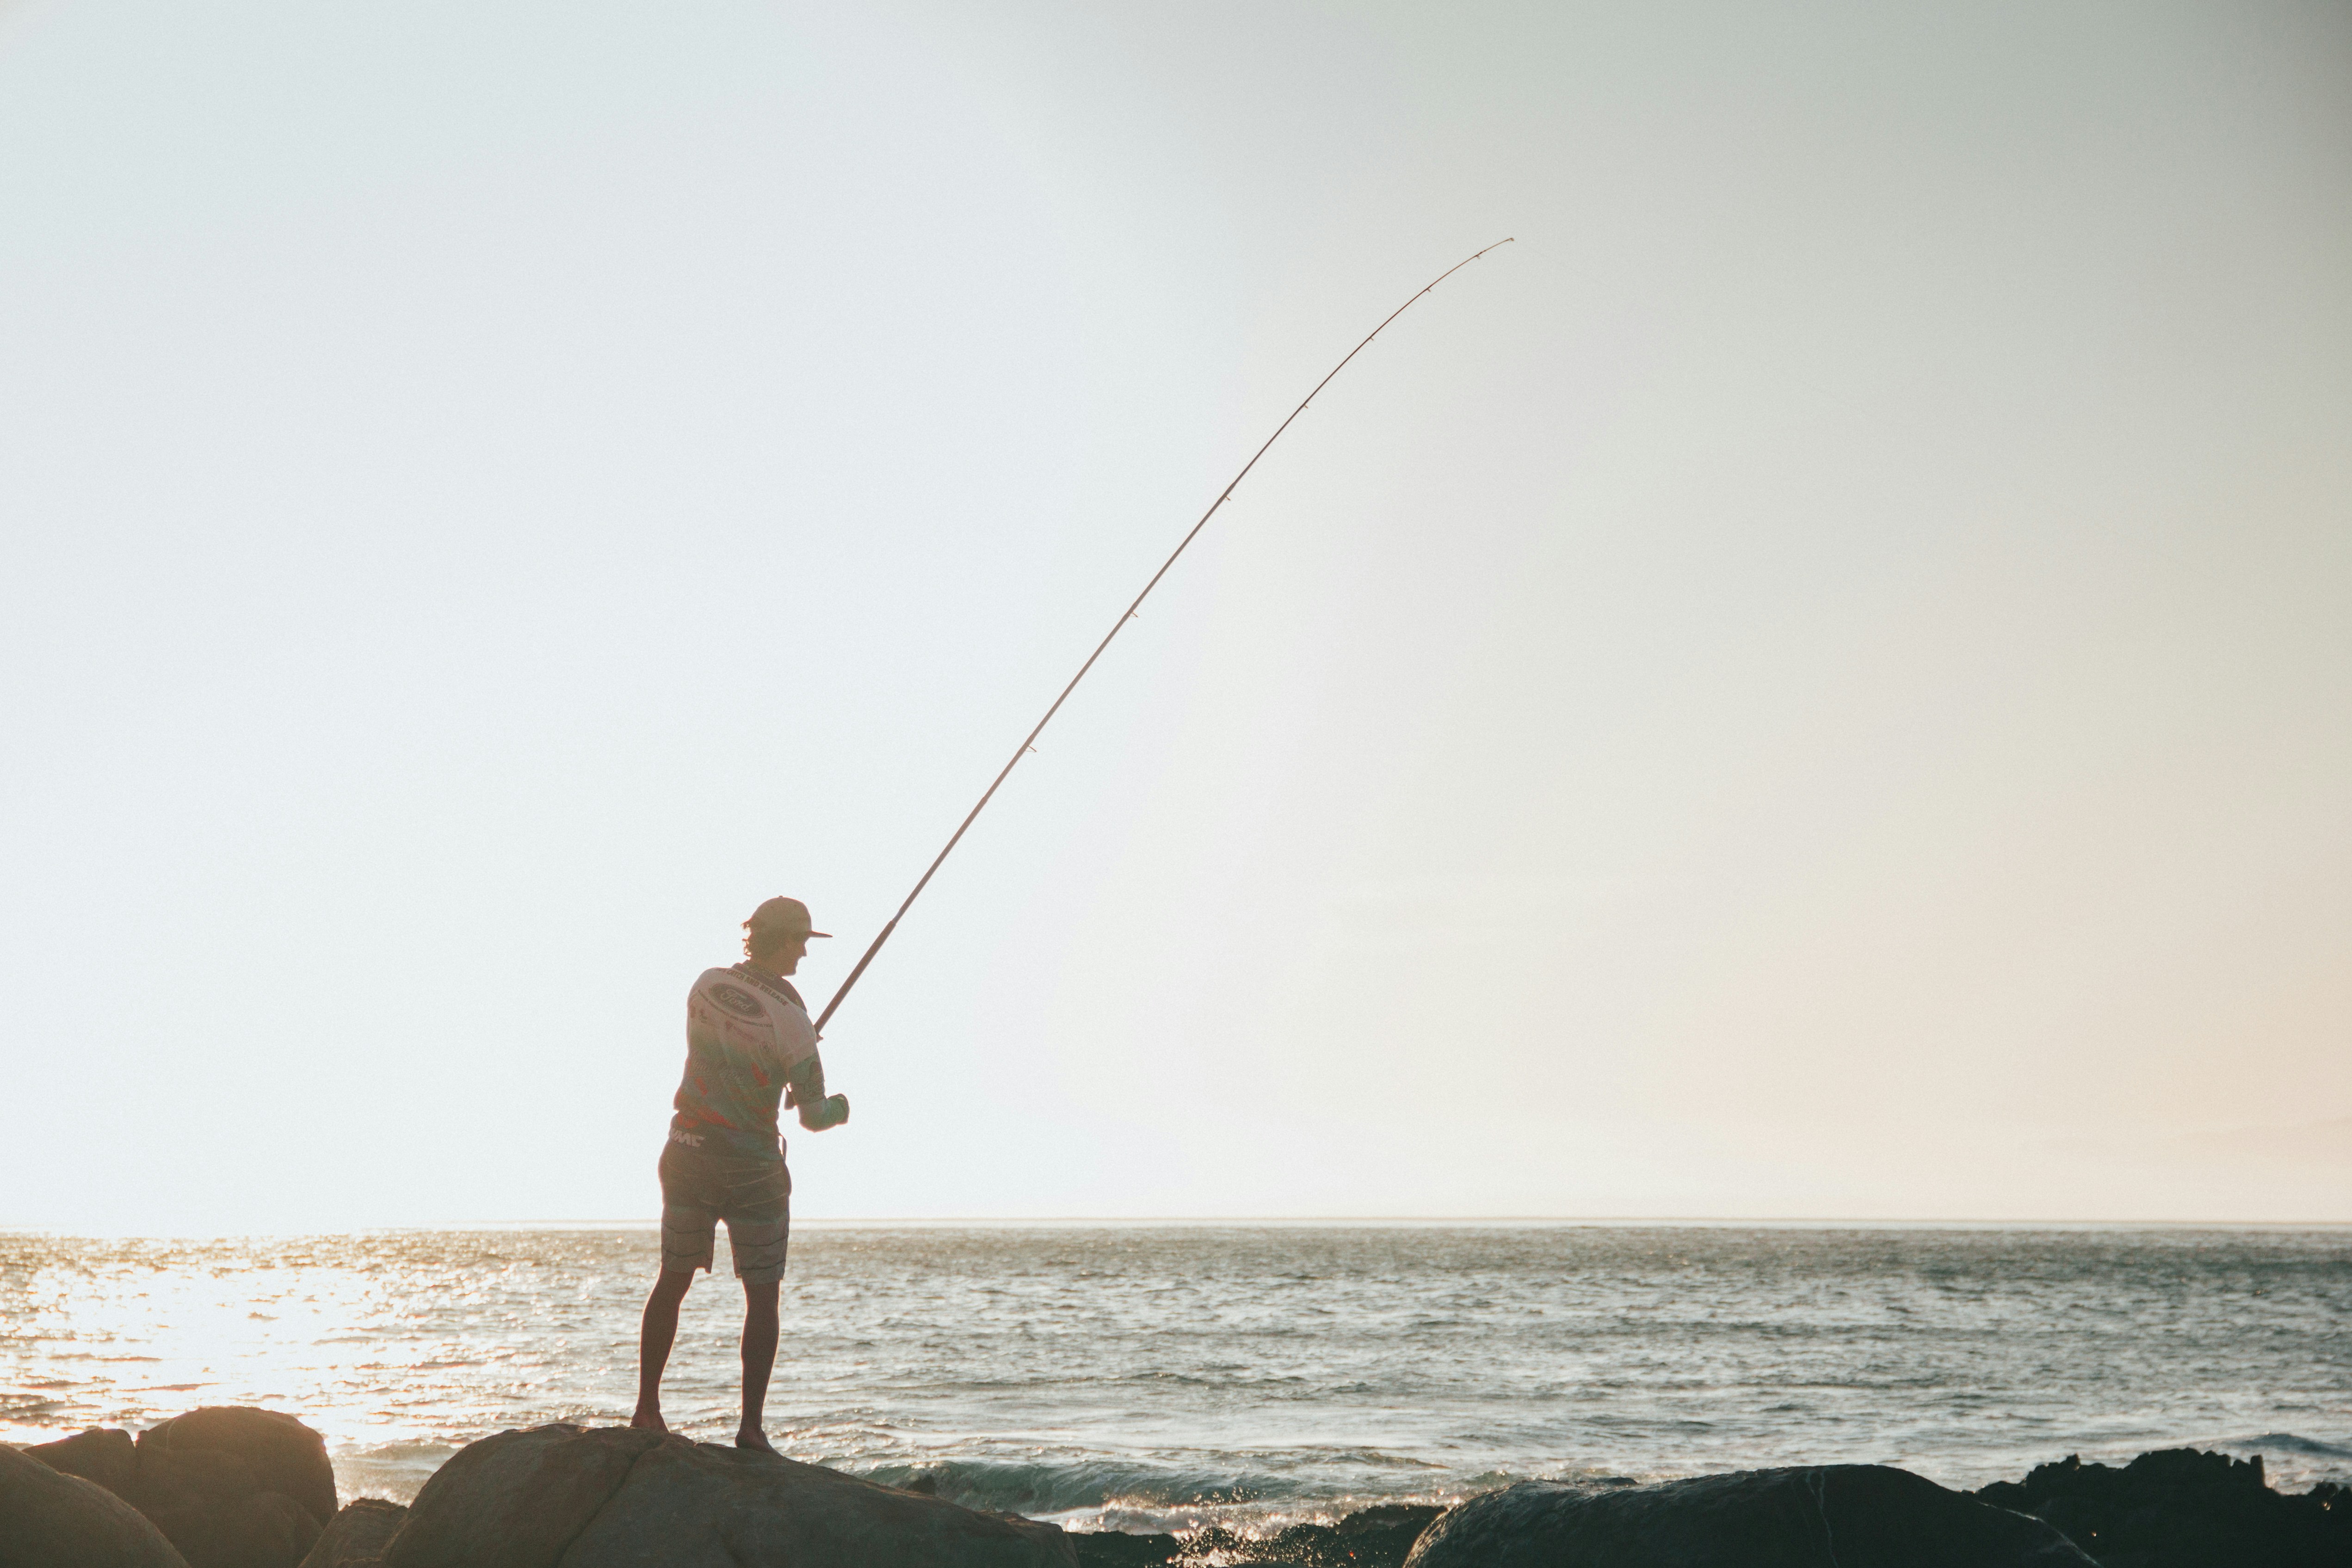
(608,1497)
(280,1453)
(2178,1508)
(229,1487)
(2174,1509)
(1117,1548)
(106,1456)
(355,1538)
(49,1518)
(232,1487)
(1857,1516)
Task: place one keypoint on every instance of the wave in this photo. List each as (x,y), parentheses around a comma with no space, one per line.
(1140,1496)
(390,1470)
(2289,1442)
(1010,1486)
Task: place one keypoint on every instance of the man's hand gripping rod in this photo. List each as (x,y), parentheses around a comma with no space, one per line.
(1023,750)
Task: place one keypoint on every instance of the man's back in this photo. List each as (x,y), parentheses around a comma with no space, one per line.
(746,1031)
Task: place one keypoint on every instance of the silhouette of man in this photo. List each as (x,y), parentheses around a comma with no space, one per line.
(748,1041)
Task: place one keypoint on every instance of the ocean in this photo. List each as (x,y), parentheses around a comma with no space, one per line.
(1163,1376)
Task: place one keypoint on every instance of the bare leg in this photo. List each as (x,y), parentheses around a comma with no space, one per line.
(759,1360)
(655,1334)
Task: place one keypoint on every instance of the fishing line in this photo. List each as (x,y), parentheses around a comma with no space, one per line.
(1023,748)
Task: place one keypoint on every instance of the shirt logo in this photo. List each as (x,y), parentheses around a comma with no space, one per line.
(736,1000)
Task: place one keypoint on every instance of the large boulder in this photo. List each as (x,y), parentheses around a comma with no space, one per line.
(50,1520)
(1856,1516)
(515,1500)
(106,1456)
(571,1496)
(2180,1508)
(229,1487)
(356,1537)
(277,1451)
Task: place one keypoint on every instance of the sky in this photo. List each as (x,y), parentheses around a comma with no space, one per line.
(1816,682)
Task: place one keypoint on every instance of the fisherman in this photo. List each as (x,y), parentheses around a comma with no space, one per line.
(749,1041)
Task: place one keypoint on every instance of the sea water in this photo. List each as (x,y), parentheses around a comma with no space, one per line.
(1163,1376)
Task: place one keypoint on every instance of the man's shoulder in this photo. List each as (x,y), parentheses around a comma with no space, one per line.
(733,992)
(745,991)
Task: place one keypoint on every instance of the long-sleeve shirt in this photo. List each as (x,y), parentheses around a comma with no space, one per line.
(747,1035)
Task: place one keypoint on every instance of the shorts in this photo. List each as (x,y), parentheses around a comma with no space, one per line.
(752,1193)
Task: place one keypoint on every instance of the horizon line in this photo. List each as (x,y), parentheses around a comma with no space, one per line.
(1112,1221)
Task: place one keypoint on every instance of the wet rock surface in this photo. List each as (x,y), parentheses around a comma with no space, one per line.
(1374,1538)
(1117,1548)
(2179,1507)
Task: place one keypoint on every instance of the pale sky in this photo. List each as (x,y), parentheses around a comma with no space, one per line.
(1818,683)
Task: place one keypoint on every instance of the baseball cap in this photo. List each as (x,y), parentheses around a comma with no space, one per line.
(786,917)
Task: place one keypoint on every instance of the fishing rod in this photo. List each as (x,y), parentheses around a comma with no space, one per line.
(1028,740)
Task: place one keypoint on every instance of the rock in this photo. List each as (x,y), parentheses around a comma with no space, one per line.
(228,1486)
(107,1457)
(355,1538)
(233,1486)
(1858,1516)
(1115,1549)
(281,1453)
(609,1497)
(1384,1517)
(2179,1507)
(206,1506)
(50,1520)
(1380,1537)
(697,1503)
(515,1500)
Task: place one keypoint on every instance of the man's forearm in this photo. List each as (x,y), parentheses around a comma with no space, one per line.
(805,1084)
(805,1089)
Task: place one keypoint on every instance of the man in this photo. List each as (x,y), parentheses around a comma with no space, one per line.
(748,1039)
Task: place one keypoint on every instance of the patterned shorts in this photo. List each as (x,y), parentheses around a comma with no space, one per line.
(753,1194)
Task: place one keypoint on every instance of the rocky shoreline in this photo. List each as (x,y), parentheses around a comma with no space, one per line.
(237,1488)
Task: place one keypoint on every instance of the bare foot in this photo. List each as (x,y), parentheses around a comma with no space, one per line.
(753,1438)
(649,1421)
